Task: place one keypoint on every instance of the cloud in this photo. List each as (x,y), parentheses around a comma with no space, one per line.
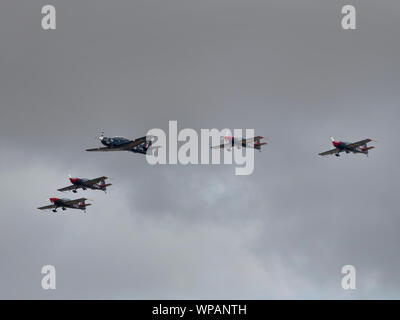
(286,70)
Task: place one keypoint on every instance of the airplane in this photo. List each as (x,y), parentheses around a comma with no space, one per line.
(230,142)
(64,203)
(83,183)
(355,147)
(117,143)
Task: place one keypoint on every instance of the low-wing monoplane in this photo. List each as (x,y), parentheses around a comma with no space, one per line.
(65,203)
(140,145)
(229,142)
(83,183)
(355,147)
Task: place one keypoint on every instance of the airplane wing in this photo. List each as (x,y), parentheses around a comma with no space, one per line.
(358,143)
(94,181)
(75,201)
(251,139)
(51,206)
(105,149)
(222,146)
(333,151)
(71,187)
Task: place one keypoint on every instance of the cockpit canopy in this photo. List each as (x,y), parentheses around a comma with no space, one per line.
(119,140)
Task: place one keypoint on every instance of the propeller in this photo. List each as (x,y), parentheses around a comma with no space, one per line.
(53,195)
(101,136)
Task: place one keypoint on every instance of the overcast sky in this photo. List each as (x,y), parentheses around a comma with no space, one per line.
(284,68)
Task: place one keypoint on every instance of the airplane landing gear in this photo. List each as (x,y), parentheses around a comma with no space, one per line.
(74,191)
(63,209)
(337,154)
(54,210)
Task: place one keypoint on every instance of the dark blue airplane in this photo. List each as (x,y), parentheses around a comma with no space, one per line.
(140,145)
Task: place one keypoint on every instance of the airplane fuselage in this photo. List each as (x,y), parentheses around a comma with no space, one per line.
(235,141)
(116,142)
(240,142)
(82,183)
(344,146)
(62,203)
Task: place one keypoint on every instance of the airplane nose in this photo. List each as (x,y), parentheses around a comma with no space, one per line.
(73,179)
(53,199)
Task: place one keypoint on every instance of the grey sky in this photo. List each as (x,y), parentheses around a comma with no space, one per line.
(284,68)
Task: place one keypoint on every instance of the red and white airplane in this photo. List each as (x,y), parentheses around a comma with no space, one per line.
(64,203)
(230,142)
(355,147)
(83,183)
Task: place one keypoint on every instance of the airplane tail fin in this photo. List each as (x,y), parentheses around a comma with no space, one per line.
(83,203)
(258,145)
(365,149)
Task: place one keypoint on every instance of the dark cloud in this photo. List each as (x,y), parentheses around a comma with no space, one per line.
(285,69)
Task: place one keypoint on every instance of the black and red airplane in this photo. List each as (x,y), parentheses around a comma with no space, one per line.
(83,183)
(64,203)
(355,147)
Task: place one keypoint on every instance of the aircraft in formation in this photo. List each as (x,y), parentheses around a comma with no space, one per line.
(65,203)
(229,142)
(77,183)
(355,147)
(141,145)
